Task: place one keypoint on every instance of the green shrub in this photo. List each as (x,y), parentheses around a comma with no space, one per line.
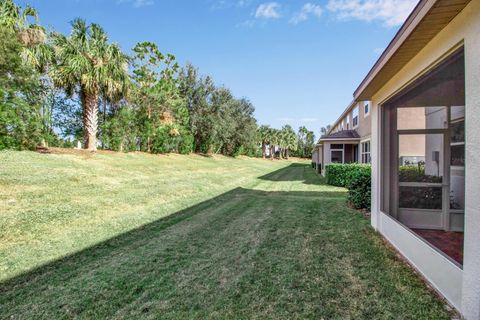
(355,177)
(416,173)
(338,174)
(360,187)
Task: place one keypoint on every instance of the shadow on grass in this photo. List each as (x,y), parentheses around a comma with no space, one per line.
(113,274)
(296,172)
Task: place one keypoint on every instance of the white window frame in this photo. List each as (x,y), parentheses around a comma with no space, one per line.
(357,117)
(362,152)
(342,150)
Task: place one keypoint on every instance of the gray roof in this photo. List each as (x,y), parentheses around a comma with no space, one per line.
(341,135)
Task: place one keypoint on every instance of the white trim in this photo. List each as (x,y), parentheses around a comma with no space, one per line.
(342,150)
(358,117)
(444,275)
(369,152)
(405,31)
(435,63)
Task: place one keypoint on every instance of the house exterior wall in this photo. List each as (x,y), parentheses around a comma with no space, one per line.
(363,128)
(317,157)
(327,154)
(365,125)
(460,287)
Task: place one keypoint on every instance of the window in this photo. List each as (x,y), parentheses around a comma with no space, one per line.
(457,137)
(336,152)
(366,152)
(355,117)
(366,109)
(347,120)
(423,155)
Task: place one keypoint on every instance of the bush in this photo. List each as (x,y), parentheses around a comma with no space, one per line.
(360,187)
(338,174)
(355,177)
(416,173)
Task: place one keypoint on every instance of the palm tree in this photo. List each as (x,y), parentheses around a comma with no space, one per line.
(274,139)
(282,141)
(264,138)
(31,35)
(14,17)
(289,140)
(324,130)
(86,63)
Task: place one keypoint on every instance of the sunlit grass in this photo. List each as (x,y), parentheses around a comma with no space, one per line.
(52,205)
(191,237)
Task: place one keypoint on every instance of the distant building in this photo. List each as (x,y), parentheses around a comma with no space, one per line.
(348,140)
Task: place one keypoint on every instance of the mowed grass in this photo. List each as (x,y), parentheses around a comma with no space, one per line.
(142,236)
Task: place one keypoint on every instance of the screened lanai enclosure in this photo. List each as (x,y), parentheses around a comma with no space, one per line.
(423,152)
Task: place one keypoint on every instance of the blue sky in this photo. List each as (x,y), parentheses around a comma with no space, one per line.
(297,61)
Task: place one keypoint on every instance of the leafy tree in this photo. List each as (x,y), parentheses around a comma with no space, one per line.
(85,62)
(305,142)
(53,85)
(219,122)
(20,120)
(120,133)
(198,94)
(163,116)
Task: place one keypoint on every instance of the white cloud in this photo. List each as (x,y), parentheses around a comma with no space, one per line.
(297,121)
(286,119)
(269,10)
(307,10)
(308,120)
(138,3)
(390,12)
(223,4)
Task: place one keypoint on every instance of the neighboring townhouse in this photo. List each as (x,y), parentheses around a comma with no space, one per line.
(348,140)
(423,97)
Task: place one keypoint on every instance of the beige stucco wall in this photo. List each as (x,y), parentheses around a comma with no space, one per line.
(465,28)
(365,125)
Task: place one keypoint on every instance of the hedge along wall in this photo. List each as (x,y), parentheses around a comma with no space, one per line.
(356,177)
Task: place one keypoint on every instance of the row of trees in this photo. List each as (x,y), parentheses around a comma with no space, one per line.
(285,141)
(57,89)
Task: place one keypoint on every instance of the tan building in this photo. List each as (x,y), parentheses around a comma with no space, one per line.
(348,141)
(423,95)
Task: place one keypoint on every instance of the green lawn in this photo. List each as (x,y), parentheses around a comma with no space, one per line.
(134,235)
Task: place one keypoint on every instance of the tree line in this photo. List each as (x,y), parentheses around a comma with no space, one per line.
(56,89)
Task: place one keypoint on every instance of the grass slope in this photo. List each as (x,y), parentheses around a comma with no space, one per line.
(190,237)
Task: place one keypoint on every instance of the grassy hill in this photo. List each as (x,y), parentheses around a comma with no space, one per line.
(52,205)
(118,236)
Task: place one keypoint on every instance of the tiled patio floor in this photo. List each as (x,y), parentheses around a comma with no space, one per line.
(450,243)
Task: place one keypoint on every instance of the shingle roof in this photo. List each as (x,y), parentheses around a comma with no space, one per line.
(341,135)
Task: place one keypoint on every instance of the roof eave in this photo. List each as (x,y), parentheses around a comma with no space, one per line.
(420,11)
(344,113)
(340,139)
